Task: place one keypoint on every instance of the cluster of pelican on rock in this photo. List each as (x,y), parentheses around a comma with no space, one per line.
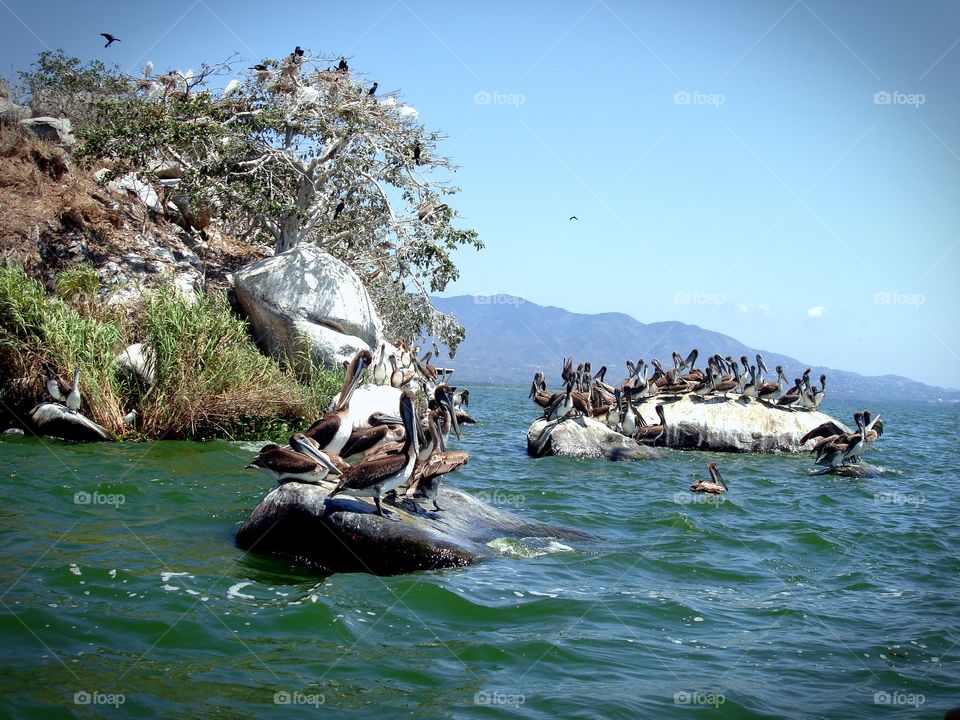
(389,454)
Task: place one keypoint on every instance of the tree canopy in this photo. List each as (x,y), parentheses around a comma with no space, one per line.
(295,150)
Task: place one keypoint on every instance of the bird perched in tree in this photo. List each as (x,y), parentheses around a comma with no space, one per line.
(342,65)
(417,150)
(338,209)
(297,51)
(110,39)
(373,89)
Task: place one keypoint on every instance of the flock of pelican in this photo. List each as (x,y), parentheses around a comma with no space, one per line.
(589,394)
(389,453)
(836,447)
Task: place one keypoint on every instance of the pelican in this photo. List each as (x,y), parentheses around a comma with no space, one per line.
(628,421)
(56,389)
(750,388)
(446,412)
(818,394)
(715,485)
(73,397)
(650,434)
(386,470)
(334,429)
(868,435)
(792,395)
(301,462)
(561,405)
(427,473)
(771,391)
(380,371)
(383,429)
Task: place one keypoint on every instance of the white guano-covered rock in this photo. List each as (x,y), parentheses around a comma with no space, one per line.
(732,424)
(305,295)
(56,130)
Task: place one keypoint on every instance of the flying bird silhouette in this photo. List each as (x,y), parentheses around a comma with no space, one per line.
(574,217)
(110,39)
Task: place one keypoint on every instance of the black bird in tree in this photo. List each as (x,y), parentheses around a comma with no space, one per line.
(416,153)
(373,89)
(260,67)
(298,51)
(110,39)
(338,210)
(342,66)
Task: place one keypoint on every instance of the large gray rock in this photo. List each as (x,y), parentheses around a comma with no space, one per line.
(305,295)
(138,188)
(56,130)
(732,425)
(55,420)
(344,534)
(11,113)
(139,360)
(585,438)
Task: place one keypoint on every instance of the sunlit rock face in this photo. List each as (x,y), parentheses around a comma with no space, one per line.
(585,438)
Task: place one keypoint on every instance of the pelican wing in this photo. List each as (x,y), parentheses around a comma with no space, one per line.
(371,471)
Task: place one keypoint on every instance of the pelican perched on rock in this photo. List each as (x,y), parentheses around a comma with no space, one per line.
(54,386)
(446,412)
(771,391)
(301,462)
(561,405)
(381,371)
(73,397)
(334,429)
(715,485)
(427,473)
(388,469)
(649,434)
(383,429)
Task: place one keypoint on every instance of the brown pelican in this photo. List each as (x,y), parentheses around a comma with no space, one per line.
(380,370)
(383,471)
(302,462)
(831,450)
(792,395)
(427,473)
(771,391)
(650,434)
(561,405)
(540,397)
(333,430)
(73,397)
(705,386)
(870,430)
(383,429)
(446,412)
(750,388)
(715,485)
(628,420)
(818,394)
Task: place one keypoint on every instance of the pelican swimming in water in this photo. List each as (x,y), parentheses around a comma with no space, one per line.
(301,462)
(715,485)
(334,429)
(385,470)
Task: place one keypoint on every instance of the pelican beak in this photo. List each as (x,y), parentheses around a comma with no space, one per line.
(448,402)
(410,422)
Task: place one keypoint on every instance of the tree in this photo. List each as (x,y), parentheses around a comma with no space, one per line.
(297,152)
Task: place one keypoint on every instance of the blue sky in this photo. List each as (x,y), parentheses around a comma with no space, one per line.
(787,172)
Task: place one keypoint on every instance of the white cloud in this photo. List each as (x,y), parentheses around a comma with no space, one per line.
(816,311)
(743,308)
(765,309)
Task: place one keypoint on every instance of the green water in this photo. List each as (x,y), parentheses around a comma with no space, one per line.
(792,596)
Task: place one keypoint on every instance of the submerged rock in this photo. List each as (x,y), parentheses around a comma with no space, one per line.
(344,534)
(583,437)
(55,420)
(732,425)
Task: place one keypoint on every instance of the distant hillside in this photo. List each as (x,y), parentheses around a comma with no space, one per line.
(509,339)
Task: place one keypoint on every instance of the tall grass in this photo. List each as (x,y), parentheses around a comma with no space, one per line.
(210,379)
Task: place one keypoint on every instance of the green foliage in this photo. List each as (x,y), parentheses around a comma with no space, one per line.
(281,153)
(211,381)
(78,285)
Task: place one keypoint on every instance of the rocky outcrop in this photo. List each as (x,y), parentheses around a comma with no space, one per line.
(305,295)
(585,438)
(732,425)
(296,521)
(138,359)
(55,420)
(11,113)
(55,130)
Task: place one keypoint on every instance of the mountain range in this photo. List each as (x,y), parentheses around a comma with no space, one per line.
(509,339)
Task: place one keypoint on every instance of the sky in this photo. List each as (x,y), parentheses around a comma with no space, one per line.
(784,172)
